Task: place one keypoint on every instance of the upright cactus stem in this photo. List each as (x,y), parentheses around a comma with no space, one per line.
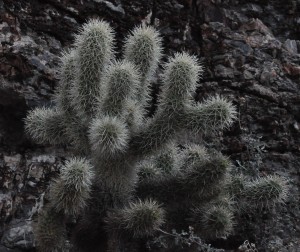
(94,49)
(121,82)
(128,165)
(66,73)
(143,49)
(50,231)
(179,81)
(75,129)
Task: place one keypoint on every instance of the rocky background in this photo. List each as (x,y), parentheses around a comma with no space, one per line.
(251,53)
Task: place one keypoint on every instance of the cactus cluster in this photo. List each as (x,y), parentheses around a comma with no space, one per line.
(130,174)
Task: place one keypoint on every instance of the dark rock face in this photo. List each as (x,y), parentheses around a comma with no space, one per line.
(251,53)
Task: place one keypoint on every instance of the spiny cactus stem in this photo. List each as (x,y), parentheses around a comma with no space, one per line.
(94,46)
(157,133)
(214,114)
(117,177)
(143,49)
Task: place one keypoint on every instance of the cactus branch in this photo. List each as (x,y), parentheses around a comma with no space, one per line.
(71,191)
(214,114)
(143,49)
(45,125)
(94,48)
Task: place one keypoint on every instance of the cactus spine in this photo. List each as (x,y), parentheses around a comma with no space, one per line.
(130,159)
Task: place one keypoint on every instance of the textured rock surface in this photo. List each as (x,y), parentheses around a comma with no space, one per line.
(251,51)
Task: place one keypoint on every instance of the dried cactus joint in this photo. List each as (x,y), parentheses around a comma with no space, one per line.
(129,158)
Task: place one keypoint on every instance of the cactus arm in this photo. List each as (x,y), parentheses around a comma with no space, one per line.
(75,128)
(109,137)
(143,49)
(94,48)
(214,114)
(71,191)
(121,81)
(204,173)
(141,218)
(133,115)
(213,220)
(66,75)
(179,80)
(45,126)
(264,192)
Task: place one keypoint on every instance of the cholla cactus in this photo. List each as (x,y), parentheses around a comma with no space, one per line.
(132,164)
